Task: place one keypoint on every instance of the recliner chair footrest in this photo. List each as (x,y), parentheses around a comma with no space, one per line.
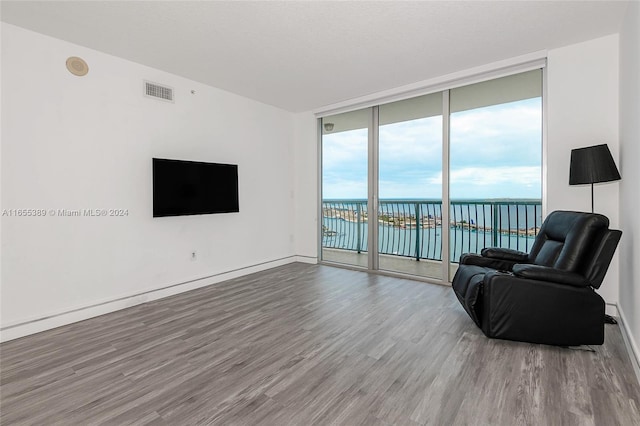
(467,285)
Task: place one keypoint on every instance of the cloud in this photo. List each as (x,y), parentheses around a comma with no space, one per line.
(343,148)
(492,176)
(495,152)
(468,182)
(495,182)
(334,187)
(498,134)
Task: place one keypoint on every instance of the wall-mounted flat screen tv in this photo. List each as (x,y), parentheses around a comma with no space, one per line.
(189,187)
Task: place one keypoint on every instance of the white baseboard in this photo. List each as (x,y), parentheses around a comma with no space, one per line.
(629,342)
(36,325)
(306,259)
(611,309)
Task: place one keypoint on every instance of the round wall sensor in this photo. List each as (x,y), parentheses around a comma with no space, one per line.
(77,66)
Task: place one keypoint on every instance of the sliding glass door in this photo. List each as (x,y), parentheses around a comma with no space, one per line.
(345,146)
(495,164)
(409,186)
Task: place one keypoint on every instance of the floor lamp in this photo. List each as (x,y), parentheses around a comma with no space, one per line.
(593,164)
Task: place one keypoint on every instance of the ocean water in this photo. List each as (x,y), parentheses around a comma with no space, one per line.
(511,224)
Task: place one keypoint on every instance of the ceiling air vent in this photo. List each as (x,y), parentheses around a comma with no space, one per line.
(157,91)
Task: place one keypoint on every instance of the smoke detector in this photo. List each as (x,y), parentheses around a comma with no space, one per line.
(77,66)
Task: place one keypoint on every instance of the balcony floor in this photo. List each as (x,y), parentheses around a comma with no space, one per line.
(423,268)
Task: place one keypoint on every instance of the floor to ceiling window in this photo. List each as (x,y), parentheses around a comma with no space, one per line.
(448,172)
(410,186)
(345,146)
(495,164)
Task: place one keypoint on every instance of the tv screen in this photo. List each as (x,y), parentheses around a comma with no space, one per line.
(190,187)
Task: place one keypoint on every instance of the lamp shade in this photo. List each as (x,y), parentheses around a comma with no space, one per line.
(592,164)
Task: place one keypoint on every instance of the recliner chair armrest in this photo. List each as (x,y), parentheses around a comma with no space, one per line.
(476,259)
(505,254)
(545,273)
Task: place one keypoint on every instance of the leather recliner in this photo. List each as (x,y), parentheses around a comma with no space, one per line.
(545,296)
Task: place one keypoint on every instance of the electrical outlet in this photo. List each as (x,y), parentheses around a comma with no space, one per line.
(194,255)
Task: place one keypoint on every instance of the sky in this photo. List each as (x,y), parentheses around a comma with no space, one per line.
(495,152)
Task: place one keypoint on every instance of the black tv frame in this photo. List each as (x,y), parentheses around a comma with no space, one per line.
(218,180)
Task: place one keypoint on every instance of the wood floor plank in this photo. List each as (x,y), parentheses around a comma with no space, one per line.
(308,345)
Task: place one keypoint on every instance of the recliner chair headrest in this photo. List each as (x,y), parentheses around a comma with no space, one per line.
(565,238)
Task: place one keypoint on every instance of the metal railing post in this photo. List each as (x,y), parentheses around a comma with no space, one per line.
(358,243)
(494,231)
(418,232)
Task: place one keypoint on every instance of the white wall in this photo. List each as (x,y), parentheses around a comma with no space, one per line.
(630,170)
(582,101)
(86,142)
(306,185)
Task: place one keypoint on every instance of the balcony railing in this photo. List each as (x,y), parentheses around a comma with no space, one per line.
(413,228)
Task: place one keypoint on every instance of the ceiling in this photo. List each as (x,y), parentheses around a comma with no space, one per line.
(304,55)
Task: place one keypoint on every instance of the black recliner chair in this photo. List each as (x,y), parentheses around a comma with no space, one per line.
(545,296)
